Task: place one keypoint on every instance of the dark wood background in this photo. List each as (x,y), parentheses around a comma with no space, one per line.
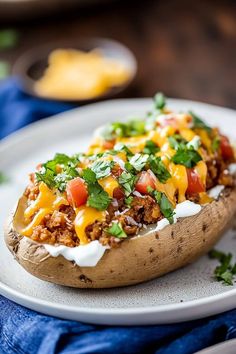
(184,48)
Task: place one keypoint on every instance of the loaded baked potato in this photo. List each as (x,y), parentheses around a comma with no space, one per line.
(148,197)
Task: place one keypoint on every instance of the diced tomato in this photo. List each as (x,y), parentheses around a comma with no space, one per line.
(226,149)
(195,184)
(146,179)
(76,191)
(118,193)
(108,144)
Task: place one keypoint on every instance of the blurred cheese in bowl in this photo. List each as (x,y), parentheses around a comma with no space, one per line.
(77,75)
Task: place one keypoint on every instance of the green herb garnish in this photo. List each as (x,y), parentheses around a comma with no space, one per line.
(129,200)
(123,148)
(158,168)
(165,205)
(127,181)
(176,141)
(98,198)
(49,172)
(199,123)
(132,128)
(187,156)
(215,144)
(226,271)
(116,230)
(138,161)
(102,168)
(150,148)
(159,101)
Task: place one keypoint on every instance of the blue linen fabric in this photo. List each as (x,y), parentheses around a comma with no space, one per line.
(27,332)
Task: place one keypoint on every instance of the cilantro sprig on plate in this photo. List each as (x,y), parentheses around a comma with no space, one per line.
(226,270)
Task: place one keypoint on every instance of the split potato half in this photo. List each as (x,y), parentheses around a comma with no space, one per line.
(141,258)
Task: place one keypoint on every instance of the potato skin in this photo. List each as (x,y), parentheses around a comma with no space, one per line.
(136,260)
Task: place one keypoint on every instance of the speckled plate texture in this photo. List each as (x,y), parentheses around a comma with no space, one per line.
(185,294)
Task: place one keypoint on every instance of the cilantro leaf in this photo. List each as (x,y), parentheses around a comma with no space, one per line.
(123,148)
(98,198)
(198,123)
(102,168)
(150,147)
(176,141)
(117,230)
(132,128)
(226,270)
(158,168)
(138,161)
(186,156)
(166,207)
(215,144)
(129,200)
(127,180)
(89,176)
(53,178)
(159,101)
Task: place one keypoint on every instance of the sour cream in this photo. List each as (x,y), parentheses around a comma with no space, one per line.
(182,210)
(232,168)
(84,256)
(215,191)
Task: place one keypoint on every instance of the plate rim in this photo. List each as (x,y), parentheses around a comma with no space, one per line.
(151,312)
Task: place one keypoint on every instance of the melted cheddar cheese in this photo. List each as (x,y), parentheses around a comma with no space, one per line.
(85,216)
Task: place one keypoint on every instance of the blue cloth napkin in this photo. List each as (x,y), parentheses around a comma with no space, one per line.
(26,332)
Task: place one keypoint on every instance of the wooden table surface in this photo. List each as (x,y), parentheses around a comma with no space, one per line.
(184,48)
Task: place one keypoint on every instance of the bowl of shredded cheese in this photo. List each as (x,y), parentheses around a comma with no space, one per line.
(79,71)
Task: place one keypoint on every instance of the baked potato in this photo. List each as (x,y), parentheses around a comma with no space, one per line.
(140,203)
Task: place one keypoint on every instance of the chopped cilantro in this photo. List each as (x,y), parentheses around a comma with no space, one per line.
(3,178)
(150,147)
(186,156)
(215,144)
(98,198)
(138,161)
(117,230)
(53,178)
(176,141)
(132,128)
(226,270)
(158,168)
(165,205)
(102,168)
(123,148)
(89,176)
(159,101)
(127,181)
(198,123)
(129,200)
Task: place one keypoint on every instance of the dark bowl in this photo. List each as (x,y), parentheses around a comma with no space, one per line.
(31,65)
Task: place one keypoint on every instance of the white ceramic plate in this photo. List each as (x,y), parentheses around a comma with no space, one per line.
(185,294)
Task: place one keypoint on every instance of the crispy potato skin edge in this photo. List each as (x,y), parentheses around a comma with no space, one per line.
(137,260)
